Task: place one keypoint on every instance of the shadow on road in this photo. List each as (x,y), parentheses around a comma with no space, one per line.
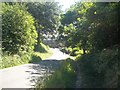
(39,70)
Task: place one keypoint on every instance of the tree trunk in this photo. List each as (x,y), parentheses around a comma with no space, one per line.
(84,51)
(38,39)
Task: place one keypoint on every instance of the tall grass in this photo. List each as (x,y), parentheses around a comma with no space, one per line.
(13,60)
(64,77)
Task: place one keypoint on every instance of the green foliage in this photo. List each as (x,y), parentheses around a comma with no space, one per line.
(108,65)
(18,30)
(96,31)
(89,77)
(47,14)
(100,68)
(96,26)
(22,58)
(63,78)
(69,32)
(104,25)
(13,60)
(76,33)
(67,50)
(41,48)
(74,51)
(19,36)
(35,58)
(68,17)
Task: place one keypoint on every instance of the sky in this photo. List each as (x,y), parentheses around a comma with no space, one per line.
(66,3)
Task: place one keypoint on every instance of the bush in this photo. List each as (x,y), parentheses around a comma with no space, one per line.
(90,78)
(11,60)
(35,58)
(18,30)
(18,35)
(73,52)
(69,50)
(100,68)
(108,64)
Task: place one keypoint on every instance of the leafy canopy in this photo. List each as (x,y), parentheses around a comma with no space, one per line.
(18,30)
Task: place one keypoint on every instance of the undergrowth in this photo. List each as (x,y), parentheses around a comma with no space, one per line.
(72,51)
(64,77)
(99,70)
(8,60)
(42,48)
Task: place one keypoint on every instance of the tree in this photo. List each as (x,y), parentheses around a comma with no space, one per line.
(47,14)
(68,17)
(79,35)
(103,18)
(18,30)
(96,25)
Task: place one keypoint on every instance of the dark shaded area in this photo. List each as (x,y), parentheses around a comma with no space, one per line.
(100,70)
(40,70)
(89,77)
(35,58)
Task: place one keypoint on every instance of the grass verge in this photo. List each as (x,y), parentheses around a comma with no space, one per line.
(37,56)
(14,60)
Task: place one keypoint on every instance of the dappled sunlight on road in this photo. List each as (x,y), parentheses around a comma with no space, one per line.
(41,70)
(25,76)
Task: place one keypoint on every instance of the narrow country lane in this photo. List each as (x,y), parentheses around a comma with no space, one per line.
(25,76)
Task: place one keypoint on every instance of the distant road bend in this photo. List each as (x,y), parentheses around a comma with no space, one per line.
(25,76)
